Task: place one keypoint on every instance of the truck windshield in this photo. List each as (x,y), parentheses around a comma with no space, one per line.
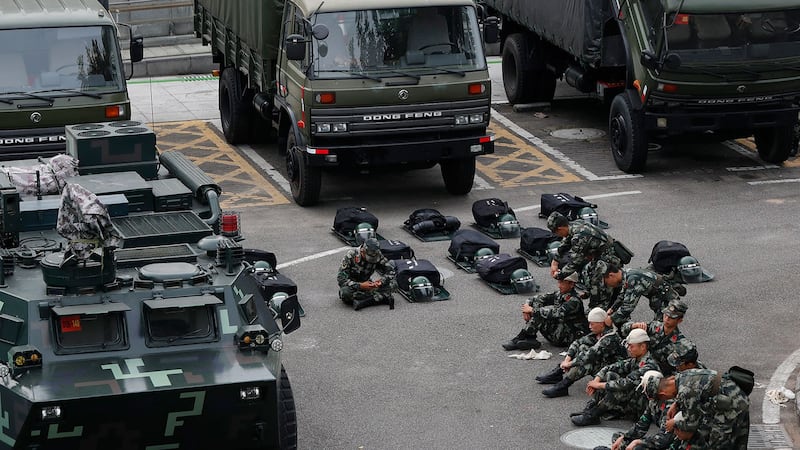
(60,61)
(734,37)
(398,42)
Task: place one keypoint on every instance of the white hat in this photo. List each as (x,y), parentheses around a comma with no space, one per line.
(637,336)
(597,315)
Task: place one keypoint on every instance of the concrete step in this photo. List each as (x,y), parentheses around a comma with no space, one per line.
(175,55)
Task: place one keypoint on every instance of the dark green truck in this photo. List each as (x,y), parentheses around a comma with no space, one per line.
(354,85)
(725,69)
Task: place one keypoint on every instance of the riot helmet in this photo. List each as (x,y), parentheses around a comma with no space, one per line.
(484,252)
(363,231)
(508,225)
(690,269)
(589,215)
(421,288)
(522,280)
(552,250)
(262,266)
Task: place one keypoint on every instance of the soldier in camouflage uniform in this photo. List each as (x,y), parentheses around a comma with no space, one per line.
(635,283)
(684,356)
(559,316)
(585,356)
(355,277)
(664,335)
(712,405)
(613,389)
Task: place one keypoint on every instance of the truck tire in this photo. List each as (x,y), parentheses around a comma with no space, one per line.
(524,85)
(287,417)
(458,175)
(304,179)
(235,108)
(628,138)
(774,145)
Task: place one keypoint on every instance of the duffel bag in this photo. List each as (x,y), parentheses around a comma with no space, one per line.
(270,283)
(534,241)
(498,268)
(348,217)
(409,269)
(427,220)
(566,204)
(486,212)
(465,243)
(396,249)
(666,255)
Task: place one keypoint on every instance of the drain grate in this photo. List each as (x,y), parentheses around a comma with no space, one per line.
(768,436)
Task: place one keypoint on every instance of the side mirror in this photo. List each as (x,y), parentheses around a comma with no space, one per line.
(288,309)
(672,61)
(320,31)
(137,48)
(295,47)
(649,60)
(491,30)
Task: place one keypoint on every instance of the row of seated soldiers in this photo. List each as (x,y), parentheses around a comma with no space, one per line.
(652,376)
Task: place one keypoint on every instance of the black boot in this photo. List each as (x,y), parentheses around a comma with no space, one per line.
(589,405)
(522,341)
(560,389)
(552,377)
(362,303)
(590,417)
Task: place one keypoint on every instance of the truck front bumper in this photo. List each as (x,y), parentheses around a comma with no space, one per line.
(740,122)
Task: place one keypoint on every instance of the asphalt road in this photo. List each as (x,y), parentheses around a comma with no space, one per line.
(434,375)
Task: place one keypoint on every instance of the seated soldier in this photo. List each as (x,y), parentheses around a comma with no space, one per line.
(359,267)
(684,356)
(559,316)
(635,283)
(613,389)
(664,335)
(585,356)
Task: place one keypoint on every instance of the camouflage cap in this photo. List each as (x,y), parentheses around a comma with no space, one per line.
(676,308)
(650,382)
(682,351)
(556,220)
(372,250)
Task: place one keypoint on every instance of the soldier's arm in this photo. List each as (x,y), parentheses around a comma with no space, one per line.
(343,277)
(629,301)
(641,426)
(386,270)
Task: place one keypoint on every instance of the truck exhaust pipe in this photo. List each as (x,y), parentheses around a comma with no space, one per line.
(578,79)
(205,190)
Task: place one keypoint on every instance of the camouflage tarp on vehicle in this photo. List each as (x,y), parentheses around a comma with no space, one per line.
(51,175)
(85,222)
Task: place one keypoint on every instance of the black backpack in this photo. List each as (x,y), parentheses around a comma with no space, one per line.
(743,378)
(465,243)
(498,268)
(428,220)
(534,241)
(407,270)
(396,249)
(566,204)
(666,255)
(485,212)
(348,218)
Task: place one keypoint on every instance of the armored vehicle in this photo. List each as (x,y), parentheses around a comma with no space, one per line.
(61,65)
(131,316)
(720,69)
(352,85)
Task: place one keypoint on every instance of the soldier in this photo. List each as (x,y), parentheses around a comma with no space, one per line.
(684,356)
(712,405)
(559,316)
(355,277)
(635,283)
(664,335)
(613,389)
(585,356)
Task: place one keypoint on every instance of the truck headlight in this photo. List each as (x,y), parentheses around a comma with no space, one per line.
(323,128)
(462,119)
(339,127)
(475,118)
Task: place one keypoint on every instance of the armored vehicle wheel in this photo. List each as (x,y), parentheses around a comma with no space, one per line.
(774,145)
(305,179)
(524,85)
(235,111)
(458,175)
(628,138)
(286,414)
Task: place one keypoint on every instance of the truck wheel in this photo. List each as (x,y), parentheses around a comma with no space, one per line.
(628,138)
(305,179)
(235,111)
(774,145)
(286,414)
(518,82)
(458,175)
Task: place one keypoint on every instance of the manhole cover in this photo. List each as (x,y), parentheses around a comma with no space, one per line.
(578,133)
(768,436)
(589,437)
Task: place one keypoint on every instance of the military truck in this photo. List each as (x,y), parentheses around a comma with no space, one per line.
(131,316)
(61,65)
(721,69)
(346,84)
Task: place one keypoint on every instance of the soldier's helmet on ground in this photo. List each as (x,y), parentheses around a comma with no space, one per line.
(589,214)
(683,351)
(421,288)
(364,231)
(483,253)
(690,269)
(556,220)
(522,280)
(371,249)
(262,266)
(552,249)
(676,308)
(508,225)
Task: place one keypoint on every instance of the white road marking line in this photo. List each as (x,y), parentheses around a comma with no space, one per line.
(562,158)
(771,413)
(266,167)
(313,257)
(788,180)
(588,197)
(481,184)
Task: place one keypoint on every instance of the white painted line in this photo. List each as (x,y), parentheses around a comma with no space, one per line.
(738,148)
(788,180)
(771,413)
(266,167)
(588,197)
(313,257)
(481,184)
(748,168)
(545,147)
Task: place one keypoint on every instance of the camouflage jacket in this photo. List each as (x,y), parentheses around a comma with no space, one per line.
(704,393)
(584,242)
(635,284)
(602,351)
(355,269)
(654,414)
(661,343)
(567,308)
(630,372)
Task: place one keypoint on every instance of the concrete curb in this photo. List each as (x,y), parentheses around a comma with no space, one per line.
(174,65)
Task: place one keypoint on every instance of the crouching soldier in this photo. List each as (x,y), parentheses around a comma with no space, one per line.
(559,316)
(585,356)
(365,277)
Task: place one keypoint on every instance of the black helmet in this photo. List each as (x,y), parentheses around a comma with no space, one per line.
(421,288)
(522,280)
(690,269)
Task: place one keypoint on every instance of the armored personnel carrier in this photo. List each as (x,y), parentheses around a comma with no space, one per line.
(131,316)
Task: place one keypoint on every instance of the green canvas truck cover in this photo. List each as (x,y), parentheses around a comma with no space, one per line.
(572,25)
(256,22)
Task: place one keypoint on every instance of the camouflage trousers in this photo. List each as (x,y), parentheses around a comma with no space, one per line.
(380,295)
(625,403)
(575,373)
(559,333)
(729,426)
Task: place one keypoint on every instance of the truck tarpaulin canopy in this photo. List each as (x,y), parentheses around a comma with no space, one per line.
(572,25)
(256,22)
